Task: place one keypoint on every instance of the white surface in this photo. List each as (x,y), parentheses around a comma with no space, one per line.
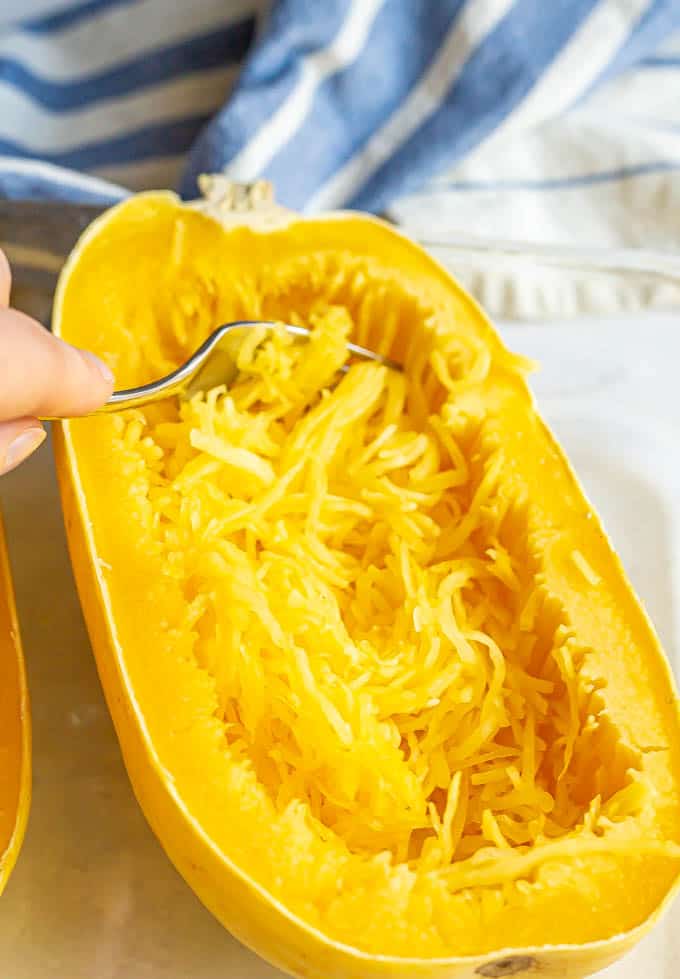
(93,895)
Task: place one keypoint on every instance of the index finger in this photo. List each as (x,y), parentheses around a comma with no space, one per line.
(42,376)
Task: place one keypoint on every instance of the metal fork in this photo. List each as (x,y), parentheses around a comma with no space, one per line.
(215,363)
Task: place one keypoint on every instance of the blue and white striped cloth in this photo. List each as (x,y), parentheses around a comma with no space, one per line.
(547,121)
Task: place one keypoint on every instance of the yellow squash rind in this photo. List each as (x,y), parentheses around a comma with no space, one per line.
(245,907)
(15,727)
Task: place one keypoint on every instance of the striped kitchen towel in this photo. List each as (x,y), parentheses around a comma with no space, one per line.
(550,122)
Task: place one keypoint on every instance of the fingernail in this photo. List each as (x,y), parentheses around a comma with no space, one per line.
(21,447)
(99,366)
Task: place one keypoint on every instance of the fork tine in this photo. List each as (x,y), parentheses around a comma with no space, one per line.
(214,363)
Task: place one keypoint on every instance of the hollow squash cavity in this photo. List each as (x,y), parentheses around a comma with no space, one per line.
(373,629)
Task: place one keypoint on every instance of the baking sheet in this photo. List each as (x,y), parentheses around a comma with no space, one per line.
(93,896)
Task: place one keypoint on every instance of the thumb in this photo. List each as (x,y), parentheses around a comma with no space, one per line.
(41,376)
(18,439)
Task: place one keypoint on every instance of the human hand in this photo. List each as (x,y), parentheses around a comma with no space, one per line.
(40,376)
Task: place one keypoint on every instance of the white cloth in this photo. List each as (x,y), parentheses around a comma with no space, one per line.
(501,123)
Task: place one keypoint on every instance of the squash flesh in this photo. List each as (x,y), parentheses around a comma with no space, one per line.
(448,862)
